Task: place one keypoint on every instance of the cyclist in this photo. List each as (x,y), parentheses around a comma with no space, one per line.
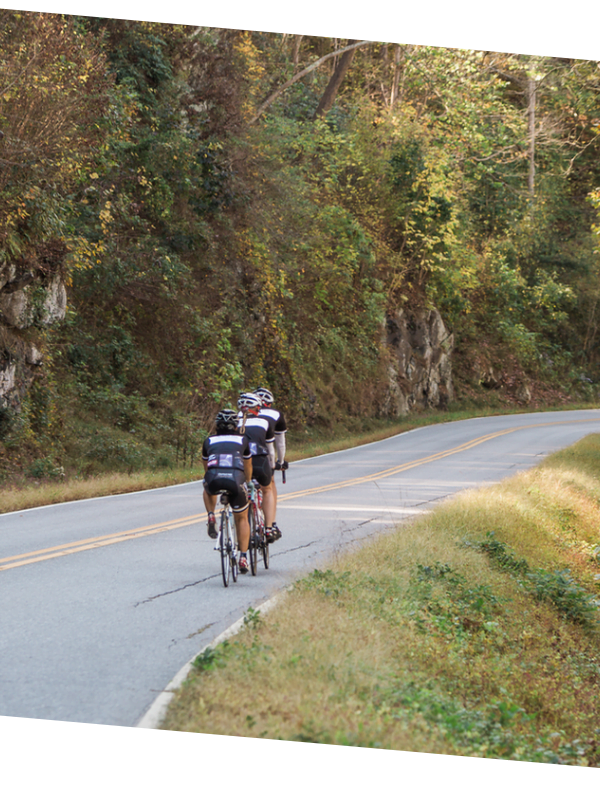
(280,429)
(227,463)
(260,432)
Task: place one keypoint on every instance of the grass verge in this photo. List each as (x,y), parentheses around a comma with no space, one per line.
(472,631)
(21,494)
(15,497)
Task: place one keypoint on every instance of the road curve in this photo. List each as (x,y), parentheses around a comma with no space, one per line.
(102,601)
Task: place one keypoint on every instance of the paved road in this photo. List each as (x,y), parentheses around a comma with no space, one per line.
(103,601)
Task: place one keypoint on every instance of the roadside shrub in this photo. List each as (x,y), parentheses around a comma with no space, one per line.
(560,589)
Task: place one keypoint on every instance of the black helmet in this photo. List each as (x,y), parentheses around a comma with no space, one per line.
(265,395)
(227,420)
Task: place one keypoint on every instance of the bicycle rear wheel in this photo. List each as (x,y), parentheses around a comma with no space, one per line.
(264,545)
(224,548)
(253,544)
(234,564)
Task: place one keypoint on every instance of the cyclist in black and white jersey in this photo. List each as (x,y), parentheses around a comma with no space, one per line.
(260,432)
(279,429)
(227,460)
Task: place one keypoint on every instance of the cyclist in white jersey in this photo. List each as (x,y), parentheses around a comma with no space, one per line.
(259,431)
(279,430)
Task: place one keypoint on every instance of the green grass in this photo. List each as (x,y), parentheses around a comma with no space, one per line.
(473,631)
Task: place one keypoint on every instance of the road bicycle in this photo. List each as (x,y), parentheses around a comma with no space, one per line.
(259,546)
(227,542)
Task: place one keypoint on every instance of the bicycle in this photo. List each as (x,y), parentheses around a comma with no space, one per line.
(227,542)
(258,540)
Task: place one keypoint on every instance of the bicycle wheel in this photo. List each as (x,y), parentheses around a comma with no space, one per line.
(253,544)
(231,549)
(264,545)
(224,548)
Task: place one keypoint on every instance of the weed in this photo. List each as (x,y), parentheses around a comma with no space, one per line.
(501,554)
(45,468)
(557,588)
(329,583)
(252,618)
(212,657)
(458,608)
(561,590)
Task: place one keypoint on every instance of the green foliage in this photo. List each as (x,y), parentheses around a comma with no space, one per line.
(502,555)
(252,618)
(563,592)
(203,255)
(557,587)
(212,657)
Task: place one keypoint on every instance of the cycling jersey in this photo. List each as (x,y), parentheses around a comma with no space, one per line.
(260,432)
(277,417)
(279,429)
(224,456)
(226,451)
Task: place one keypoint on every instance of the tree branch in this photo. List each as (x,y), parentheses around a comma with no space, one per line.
(272,97)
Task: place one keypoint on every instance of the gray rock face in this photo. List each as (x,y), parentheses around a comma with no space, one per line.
(30,299)
(420,368)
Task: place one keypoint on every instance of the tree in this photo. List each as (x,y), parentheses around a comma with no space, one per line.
(339,73)
(307,70)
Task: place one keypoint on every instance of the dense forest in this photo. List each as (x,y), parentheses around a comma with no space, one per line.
(187,212)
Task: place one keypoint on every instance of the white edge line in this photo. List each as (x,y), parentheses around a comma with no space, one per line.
(156,713)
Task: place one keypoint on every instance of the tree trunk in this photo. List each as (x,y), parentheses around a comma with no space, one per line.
(296,50)
(531,92)
(396,78)
(330,93)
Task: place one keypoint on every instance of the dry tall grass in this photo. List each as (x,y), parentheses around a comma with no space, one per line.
(14,498)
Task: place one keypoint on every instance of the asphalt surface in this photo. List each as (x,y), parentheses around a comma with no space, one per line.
(103,601)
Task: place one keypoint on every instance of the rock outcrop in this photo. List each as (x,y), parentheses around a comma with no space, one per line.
(420,369)
(32,297)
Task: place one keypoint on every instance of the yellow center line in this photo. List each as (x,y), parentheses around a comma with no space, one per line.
(57,551)
(98,541)
(386,473)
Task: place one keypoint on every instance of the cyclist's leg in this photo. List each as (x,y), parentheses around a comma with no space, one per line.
(210,503)
(269,501)
(242,528)
(238,498)
(274,490)
(264,475)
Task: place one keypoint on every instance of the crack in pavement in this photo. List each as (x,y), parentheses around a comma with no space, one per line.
(305,546)
(200,630)
(174,591)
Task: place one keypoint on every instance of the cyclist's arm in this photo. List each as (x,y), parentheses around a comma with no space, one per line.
(204,456)
(280,445)
(271,449)
(248,468)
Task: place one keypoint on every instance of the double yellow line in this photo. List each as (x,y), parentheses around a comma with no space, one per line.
(99,541)
(149,530)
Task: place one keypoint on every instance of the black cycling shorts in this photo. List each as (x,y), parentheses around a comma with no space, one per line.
(230,481)
(261,470)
